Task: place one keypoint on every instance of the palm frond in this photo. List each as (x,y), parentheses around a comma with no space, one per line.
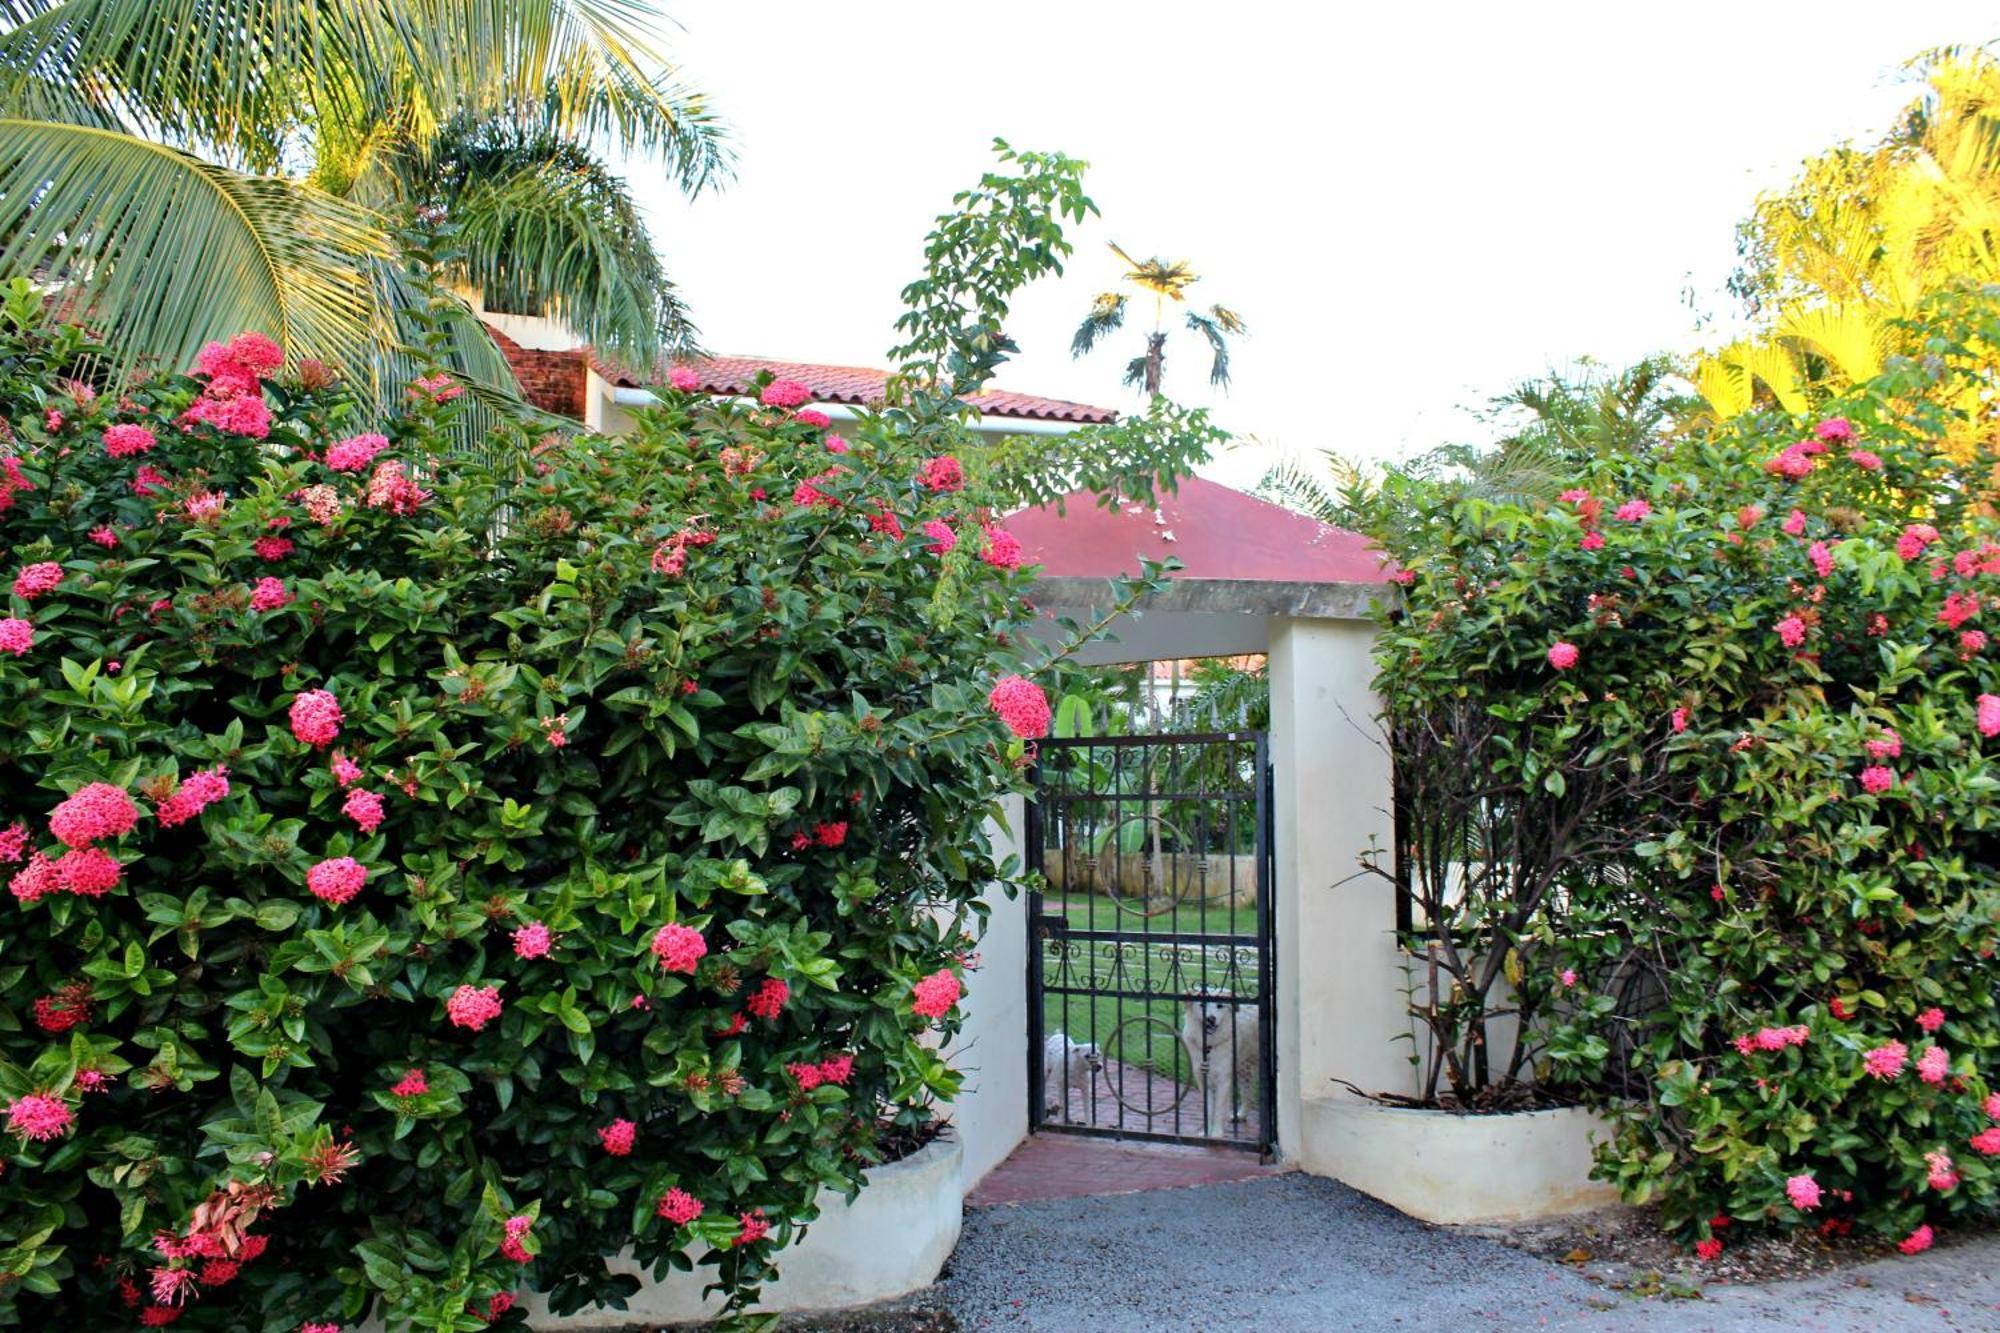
(1107,315)
(1291,484)
(163,252)
(587,69)
(244,79)
(1163,277)
(1210,328)
(545,228)
(1135,371)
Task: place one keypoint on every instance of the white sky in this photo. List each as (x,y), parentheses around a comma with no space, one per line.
(1413,205)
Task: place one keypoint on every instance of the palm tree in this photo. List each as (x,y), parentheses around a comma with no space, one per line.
(1834,263)
(1167,281)
(1553,426)
(186,169)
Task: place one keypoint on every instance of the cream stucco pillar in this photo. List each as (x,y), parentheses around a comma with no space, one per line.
(1340,977)
(991,1111)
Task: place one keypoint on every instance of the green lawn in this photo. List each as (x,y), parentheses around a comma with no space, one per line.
(1134,1030)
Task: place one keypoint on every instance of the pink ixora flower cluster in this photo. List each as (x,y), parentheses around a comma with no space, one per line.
(1804,1193)
(1563,655)
(337,880)
(316,718)
(1987,714)
(934,995)
(1001,549)
(1632,511)
(1934,1065)
(618,1137)
(39,1117)
(128,440)
(412,1084)
(473,1006)
(389,488)
(679,948)
(784,393)
(1915,538)
(270,595)
(356,452)
(38,579)
(1877,778)
(678,1207)
(195,794)
(683,380)
(94,813)
(1022,705)
(17,636)
(1772,1039)
(364,808)
(942,539)
(533,941)
(1886,1061)
(943,473)
(233,401)
(516,1232)
(322,503)
(751,1228)
(769,998)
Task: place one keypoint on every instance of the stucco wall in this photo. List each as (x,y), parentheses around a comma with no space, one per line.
(1339,970)
(891,1240)
(991,1112)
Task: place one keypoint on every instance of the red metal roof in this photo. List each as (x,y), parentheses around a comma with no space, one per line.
(855,386)
(1214,531)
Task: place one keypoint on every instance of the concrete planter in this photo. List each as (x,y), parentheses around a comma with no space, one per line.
(1445,1167)
(890,1241)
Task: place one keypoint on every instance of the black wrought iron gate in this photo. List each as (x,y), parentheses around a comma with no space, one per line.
(1150,961)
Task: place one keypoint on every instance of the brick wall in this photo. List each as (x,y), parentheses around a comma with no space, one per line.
(552,381)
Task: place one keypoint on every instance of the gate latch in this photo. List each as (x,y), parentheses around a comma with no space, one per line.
(1050,925)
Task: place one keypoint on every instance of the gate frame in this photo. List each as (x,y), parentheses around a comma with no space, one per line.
(1263,797)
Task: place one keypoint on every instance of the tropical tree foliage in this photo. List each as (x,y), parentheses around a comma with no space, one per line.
(1835,265)
(184,169)
(1166,282)
(1546,428)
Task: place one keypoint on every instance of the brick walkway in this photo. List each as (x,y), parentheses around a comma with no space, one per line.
(1070,1166)
(1135,1099)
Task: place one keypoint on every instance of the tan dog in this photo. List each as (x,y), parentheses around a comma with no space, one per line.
(1221,1040)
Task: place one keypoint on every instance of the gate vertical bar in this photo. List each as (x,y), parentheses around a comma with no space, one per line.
(1033,844)
(1267,955)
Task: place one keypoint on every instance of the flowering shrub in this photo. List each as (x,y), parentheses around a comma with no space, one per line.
(431,873)
(1780,931)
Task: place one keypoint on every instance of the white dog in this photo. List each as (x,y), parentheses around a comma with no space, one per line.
(1067,1064)
(1220,1036)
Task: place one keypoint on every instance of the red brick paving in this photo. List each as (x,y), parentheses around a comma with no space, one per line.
(1068,1166)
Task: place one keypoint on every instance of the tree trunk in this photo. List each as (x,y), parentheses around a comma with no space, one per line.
(1156,361)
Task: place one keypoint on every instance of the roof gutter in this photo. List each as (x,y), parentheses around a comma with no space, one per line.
(994,425)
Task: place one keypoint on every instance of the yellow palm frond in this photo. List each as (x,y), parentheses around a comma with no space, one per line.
(1723,385)
(1850,340)
(1162,277)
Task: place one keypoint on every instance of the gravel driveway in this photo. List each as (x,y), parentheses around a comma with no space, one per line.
(1297,1253)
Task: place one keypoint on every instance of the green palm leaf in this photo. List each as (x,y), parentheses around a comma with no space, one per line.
(249,79)
(163,252)
(546,228)
(1107,314)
